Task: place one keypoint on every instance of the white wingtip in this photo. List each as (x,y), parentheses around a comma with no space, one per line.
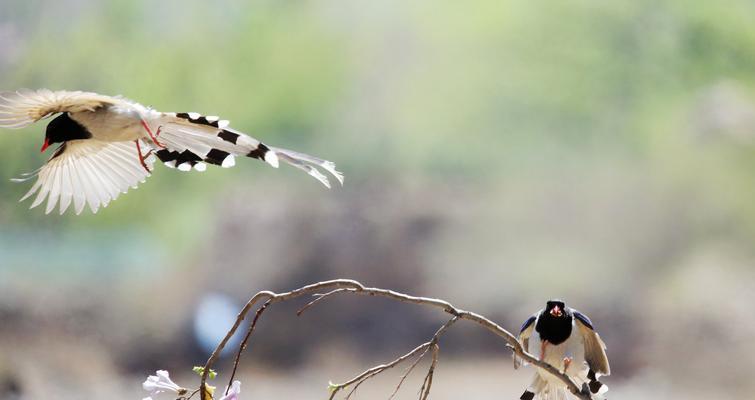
(28,194)
(51,203)
(21,180)
(65,202)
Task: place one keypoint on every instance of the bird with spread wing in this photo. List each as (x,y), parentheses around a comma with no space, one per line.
(566,339)
(108,144)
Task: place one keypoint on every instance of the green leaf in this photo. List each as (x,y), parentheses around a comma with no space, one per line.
(200,370)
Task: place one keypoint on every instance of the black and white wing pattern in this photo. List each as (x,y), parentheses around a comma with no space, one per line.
(23,107)
(595,349)
(88,172)
(191,140)
(525,332)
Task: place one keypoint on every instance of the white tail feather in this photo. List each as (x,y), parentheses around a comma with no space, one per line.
(208,140)
(305,162)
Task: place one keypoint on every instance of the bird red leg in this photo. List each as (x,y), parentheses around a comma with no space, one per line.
(543,344)
(152,136)
(567,363)
(142,157)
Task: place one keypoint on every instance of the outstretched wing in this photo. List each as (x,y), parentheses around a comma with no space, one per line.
(595,349)
(23,107)
(524,337)
(87,172)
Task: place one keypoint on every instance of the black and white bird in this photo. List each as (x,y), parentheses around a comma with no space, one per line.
(566,339)
(108,144)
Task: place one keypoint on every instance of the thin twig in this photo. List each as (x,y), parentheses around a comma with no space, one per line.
(335,388)
(244,343)
(428,382)
(407,372)
(366,375)
(191,395)
(318,297)
(351,286)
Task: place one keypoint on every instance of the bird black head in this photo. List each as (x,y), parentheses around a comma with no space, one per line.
(556,308)
(62,129)
(555,322)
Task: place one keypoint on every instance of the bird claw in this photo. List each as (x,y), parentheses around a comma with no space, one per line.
(143,157)
(567,363)
(153,136)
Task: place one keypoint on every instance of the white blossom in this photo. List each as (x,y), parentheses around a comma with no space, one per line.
(233,392)
(161,383)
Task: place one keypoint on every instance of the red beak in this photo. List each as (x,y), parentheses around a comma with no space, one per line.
(45,145)
(556,311)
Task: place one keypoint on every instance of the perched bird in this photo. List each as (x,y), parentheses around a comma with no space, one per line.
(566,339)
(108,144)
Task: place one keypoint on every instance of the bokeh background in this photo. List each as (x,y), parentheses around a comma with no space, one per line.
(497,154)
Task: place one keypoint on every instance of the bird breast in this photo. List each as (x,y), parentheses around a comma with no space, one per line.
(554,355)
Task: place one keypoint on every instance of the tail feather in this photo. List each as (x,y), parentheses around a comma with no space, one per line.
(189,140)
(307,164)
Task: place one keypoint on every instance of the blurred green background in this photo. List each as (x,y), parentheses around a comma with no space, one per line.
(497,154)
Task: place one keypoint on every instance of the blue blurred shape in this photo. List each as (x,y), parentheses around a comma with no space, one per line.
(214,316)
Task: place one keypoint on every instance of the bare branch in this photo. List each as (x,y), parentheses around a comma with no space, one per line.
(428,382)
(423,348)
(244,343)
(407,372)
(335,388)
(353,287)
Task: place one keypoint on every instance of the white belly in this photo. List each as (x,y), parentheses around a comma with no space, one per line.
(555,354)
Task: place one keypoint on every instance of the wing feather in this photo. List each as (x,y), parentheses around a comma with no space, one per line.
(43,190)
(595,349)
(66,189)
(79,190)
(52,199)
(87,172)
(88,186)
(109,186)
(116,175)
(24,107)
(123,161)
(524,337)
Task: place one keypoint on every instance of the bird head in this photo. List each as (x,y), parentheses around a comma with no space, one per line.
(62,129)
(556,308)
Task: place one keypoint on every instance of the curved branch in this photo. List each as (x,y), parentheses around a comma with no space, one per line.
(353,287)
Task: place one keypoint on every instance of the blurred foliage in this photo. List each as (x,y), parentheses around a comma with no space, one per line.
(479,91)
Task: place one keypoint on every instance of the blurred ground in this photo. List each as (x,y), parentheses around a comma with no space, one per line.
(497,154)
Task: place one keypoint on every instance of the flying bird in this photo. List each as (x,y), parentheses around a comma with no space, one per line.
(108,144)
(566,339)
